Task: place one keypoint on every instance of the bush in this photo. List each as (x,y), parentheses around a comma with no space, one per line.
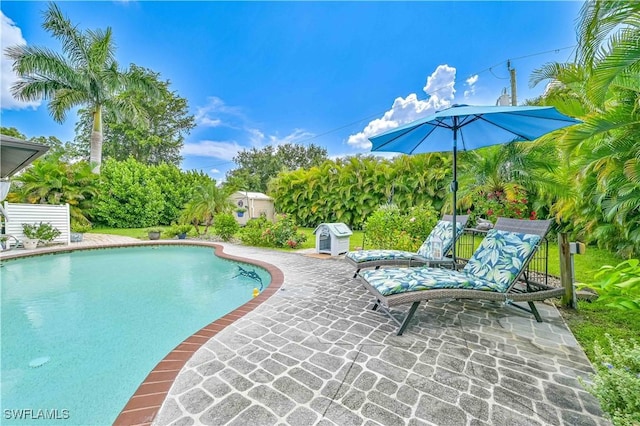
(129,197)
(617,381)
(178,229)
(251,234)
(494,204)
(389,227)
(282,233)
(618,286)
(225,226)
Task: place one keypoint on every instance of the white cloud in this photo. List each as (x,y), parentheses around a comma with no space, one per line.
(214,172)
(297,136)
(225,150)
(258,139)
(471,84)
(11,36)
(216,113)
(441,91)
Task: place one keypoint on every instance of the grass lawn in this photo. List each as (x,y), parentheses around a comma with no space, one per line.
(140,233)
(591,321)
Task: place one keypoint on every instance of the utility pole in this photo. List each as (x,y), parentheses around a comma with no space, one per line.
(512,73)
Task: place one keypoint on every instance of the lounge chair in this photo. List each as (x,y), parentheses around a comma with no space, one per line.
(362,259)
(496,271)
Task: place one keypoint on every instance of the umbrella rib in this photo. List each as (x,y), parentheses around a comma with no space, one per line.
(508,130)
(433,128)
(398,136)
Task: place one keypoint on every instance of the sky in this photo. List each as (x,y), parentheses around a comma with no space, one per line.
(325,73)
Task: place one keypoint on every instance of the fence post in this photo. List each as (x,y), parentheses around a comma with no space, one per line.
(566,277)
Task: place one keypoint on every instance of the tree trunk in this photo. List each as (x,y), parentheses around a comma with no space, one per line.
(96,141)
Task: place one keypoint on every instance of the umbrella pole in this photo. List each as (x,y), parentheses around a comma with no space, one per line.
(454,186)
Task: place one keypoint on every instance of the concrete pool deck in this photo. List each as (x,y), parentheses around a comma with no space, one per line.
(314,353)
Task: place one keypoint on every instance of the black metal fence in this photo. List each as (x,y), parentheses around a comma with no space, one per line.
(537,269)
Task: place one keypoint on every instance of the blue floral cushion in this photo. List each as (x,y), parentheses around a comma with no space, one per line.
(501,256)
(401,280)
(443,231)
(493,267)
(360,256)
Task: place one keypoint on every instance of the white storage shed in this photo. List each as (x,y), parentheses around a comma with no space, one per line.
(254,204)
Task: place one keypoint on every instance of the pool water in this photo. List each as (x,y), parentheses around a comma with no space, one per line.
(81,330)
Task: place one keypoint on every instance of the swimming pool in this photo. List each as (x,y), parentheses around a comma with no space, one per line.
(81,330)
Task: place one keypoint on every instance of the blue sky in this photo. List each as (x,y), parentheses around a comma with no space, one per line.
(328,73)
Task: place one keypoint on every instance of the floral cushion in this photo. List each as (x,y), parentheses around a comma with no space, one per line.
(443,231)
(501,257)
(360,256)
(493,267)
(401,280)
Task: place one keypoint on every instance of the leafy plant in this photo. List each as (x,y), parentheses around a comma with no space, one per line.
(51,181)
(616,383)
(179,229)
(225,226)
(206,202)
(44,232)
(618,286)
(282,233)
(129,196)
(390,227)
(80,227)
(510,203)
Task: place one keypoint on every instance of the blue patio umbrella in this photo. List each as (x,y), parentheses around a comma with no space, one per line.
(475,127)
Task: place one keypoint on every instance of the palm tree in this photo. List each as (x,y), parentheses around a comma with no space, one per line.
(206,202)
(602,88)
(51,181)
(86,74)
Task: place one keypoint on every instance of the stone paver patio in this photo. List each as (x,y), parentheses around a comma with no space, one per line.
(314,353)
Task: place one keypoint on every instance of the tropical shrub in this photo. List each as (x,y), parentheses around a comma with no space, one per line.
(349,190)
(51,181)
(494,204)
(176,229)
(177,188)
(128,196)
(616,383)
(251,233)
(206,202)
(391,227)
(618,286)
(225,226)
(282,233)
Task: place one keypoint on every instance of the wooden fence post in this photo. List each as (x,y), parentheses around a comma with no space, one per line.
(566,274)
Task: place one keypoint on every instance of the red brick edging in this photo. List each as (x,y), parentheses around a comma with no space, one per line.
(145,403)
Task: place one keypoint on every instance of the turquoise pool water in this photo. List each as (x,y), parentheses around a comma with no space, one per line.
(81,330)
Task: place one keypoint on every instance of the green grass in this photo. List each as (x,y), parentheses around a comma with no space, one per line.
(140,233)
(585,264)
(591,321)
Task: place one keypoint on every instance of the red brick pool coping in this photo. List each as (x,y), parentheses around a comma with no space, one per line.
(145,403)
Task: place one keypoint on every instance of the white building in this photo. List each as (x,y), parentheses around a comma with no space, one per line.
(254,204)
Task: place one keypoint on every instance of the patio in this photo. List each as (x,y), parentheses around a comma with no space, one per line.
(315,354)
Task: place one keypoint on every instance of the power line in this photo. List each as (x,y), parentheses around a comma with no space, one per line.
(377,114)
